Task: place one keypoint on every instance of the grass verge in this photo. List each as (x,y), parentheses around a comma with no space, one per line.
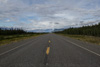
(15,38)
(90,39)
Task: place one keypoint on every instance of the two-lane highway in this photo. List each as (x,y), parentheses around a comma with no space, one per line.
(50,50)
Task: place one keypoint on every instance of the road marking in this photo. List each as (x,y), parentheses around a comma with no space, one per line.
(10,50)
(14,48)
(49,41)
(48,50)
(83,48)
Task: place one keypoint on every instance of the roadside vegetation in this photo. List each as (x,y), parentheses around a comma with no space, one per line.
(90,39)
(86,33)
(13,35)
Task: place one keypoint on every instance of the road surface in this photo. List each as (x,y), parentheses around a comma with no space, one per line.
(50,50)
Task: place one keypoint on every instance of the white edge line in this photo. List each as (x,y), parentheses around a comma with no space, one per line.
(13,49)
(83,48)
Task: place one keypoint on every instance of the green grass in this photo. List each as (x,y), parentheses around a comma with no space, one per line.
(90,39)
(15,38)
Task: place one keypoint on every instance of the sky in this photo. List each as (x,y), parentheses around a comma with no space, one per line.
(43,15)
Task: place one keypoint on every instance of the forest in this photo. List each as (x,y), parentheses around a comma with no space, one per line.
(93,30)
(11,31)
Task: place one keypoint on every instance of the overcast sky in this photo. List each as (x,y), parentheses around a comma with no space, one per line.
(48,14)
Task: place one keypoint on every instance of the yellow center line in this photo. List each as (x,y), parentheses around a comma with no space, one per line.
(49,41)
(48,50)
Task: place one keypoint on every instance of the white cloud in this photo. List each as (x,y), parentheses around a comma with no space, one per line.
(3,1)
(65,12)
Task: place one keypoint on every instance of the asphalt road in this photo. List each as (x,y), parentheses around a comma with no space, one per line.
(50,50)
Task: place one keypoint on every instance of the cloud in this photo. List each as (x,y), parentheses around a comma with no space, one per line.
(49,14)
(3,1)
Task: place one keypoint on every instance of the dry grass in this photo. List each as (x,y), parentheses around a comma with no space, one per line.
(15,38)
(91,39)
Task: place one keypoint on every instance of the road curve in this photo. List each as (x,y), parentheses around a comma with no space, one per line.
(50,50)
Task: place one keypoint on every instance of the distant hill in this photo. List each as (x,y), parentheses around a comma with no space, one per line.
(41,30)
(56,30)
(93,30)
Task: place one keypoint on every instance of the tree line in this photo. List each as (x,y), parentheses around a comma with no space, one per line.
(11,31)
(16,31)
(93,30)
